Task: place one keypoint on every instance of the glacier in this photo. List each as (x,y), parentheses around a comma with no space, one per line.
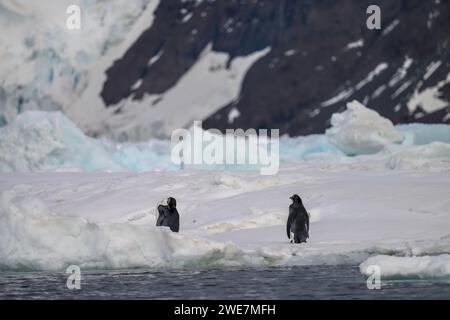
(48,67)
(51,68)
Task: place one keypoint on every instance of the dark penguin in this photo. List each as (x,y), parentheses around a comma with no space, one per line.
(298,221)
(168,215)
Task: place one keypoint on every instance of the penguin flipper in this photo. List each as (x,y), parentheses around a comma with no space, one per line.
(288,224)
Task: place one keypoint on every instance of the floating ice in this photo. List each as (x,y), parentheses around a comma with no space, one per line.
(48,141)
(106,220)
(360,130)
(32,239)
(409,267)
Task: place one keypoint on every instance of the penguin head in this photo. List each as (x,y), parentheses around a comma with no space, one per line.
(171,202)
(296,199)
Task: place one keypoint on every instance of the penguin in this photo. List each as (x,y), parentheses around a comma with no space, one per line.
(168,214)
(298,221)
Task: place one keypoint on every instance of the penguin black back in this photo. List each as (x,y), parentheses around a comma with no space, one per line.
(298,221)
(168,214)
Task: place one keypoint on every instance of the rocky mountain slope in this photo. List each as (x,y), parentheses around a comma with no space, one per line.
(321,55)
(140,69)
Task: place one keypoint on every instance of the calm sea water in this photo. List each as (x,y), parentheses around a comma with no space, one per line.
(311,282)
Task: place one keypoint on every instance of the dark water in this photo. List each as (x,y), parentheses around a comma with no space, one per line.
(312,282)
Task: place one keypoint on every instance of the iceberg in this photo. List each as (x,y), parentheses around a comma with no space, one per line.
(360,130)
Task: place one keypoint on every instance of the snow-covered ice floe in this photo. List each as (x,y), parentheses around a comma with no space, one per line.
(107,220)
(424,267)
(35,239)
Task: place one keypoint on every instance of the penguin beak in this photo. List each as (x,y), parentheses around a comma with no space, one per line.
(292,198)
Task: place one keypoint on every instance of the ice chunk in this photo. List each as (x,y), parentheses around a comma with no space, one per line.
(360,130)
(409,267)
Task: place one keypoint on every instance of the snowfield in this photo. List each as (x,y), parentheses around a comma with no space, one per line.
(66,198)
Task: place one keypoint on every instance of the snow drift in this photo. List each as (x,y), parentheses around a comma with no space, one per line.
(360,130)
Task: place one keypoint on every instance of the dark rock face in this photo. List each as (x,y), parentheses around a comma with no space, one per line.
(311,71)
